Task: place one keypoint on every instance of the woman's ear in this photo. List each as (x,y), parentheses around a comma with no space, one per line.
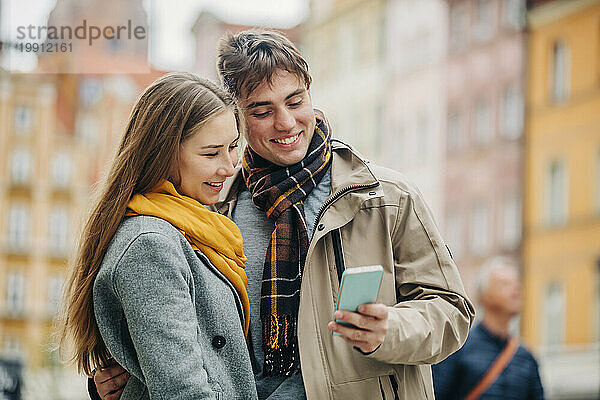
(173,175)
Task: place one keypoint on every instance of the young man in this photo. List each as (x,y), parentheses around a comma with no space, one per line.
(456,377)
(297,196)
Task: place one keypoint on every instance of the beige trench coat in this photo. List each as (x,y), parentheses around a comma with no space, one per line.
(383,220)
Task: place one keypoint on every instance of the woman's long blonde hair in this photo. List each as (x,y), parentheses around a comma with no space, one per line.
(167,113)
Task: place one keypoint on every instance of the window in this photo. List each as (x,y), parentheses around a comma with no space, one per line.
(511,222)
(513,14)
(597,324)
(55,284)
(20,166)
(598,182)
(459,25)
(554,315)
(561,74)
(61,168)
(90,92)
(87,129)
(483,123)
(512,113)
(455,132)
(18,227)
(455,234)
(23,119)
(59,227)
(15,286)
(12,348)
(484,21)
(556,193)
(480,230)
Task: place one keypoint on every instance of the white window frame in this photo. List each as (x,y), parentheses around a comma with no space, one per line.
(58,230)
(20,166)
(510,234)
(455,233)
(554,315)
(480,231)
(456,131)
(484,27)
(18,226)
(15,293)
(23,119)
(483,125)
(88,129)
(90,92)
(459,26)
(512,112)
(560,84)
(61,168)
(513,13)
(55,288)
(598,181)
(12,347)
(556,197)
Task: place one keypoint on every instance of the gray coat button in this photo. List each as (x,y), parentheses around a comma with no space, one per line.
(218,342)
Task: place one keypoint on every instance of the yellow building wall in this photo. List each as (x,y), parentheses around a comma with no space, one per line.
(569,131)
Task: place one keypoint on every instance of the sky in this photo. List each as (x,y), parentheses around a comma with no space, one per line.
(170,19)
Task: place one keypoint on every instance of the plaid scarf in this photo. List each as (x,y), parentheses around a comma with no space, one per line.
(280,193)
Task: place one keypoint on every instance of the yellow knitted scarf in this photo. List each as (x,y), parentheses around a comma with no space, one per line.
(213,234)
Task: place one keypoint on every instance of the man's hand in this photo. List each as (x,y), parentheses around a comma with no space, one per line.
(111,381)
(371,324)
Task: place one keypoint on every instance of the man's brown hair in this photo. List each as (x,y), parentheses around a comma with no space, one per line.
(250,57)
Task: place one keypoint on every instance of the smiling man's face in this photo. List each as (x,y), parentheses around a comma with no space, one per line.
(280,119)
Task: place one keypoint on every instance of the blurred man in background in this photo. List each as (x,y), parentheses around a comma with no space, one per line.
(492,364)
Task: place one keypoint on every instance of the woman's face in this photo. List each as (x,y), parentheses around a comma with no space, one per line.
(208,157)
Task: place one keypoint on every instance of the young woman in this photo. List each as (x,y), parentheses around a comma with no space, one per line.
(158,282)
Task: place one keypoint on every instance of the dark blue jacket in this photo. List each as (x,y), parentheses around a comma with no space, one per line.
(455,377)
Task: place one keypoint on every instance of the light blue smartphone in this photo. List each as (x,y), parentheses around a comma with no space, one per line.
(358,286)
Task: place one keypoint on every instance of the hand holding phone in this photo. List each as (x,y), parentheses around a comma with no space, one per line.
(358,286)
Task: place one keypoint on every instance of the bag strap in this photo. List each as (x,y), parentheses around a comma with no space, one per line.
(495,369)
(336,238)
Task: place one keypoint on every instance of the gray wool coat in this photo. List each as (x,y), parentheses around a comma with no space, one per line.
(170,318)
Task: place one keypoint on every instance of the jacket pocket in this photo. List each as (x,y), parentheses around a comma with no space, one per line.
(359,390)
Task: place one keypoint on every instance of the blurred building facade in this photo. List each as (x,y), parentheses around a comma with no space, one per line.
(561,251)
(208,28)
(344,42)
(43,187)
(128,54)
(413,139)
(57,132)
(484,126)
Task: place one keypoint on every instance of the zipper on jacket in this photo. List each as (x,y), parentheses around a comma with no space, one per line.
(339,194)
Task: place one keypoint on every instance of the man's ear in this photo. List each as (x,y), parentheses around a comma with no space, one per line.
(482,298)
